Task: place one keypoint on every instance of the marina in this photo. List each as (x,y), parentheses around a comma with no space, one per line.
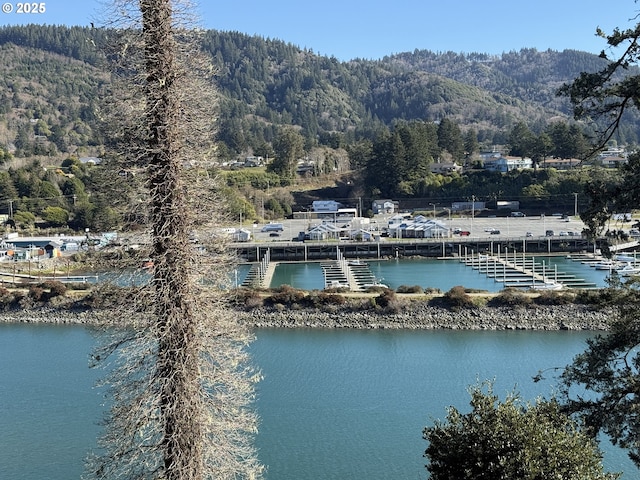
(441,274)
(525,272)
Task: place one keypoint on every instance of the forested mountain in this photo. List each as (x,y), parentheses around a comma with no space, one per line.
(373,128)
(51,76)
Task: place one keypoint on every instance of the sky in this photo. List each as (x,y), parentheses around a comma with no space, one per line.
(348,29)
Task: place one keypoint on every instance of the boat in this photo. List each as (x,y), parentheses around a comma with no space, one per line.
(607,265)
(628,270)
(375,284)
(547,286)
(336,284)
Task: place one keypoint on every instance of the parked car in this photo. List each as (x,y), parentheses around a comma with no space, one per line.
(549,233)
(528,234)
(465,233)
(274,234)
(495,232)
(517,214)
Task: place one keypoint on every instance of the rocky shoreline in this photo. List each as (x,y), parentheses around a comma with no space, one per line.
(424,317)
(416,317)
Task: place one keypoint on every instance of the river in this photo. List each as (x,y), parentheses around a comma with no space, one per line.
(333,404)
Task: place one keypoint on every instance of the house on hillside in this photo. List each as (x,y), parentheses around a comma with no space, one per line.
(253,161)
(444,168)
(506,164)
(384,206)
(613,162)
(325,206)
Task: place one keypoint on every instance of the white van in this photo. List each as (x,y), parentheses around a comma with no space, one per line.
(273,227)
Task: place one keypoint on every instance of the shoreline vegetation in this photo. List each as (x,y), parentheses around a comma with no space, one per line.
(286,307)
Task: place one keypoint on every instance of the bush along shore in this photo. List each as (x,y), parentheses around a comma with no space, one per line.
(290,308)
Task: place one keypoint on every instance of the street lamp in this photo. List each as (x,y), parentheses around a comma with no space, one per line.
(449,216)
(473,210)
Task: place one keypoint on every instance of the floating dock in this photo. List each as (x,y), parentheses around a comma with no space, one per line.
(524,272)
(341,273)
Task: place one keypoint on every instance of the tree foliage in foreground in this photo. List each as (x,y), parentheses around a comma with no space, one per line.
(602,384)
(511,440)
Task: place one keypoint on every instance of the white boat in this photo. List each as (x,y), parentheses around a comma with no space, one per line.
(607,265)
(547,286)
(624,258)
(376,284)
(628,270)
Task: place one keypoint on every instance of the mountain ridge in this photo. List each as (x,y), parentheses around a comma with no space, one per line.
(266,84)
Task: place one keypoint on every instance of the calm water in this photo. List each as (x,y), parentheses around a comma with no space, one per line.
(442,274)
(334,404)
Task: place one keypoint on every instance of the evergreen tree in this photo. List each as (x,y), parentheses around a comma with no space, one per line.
(450,138)
(289,148)
(511,440)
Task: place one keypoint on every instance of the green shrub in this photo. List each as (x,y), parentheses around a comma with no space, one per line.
(55,287)
(36,293)
(409,289)
(432,291)
(285,295)
(554,298)
(320,298)
(385,298)
(510,297)
(602,297)
(458,297)
(7,298)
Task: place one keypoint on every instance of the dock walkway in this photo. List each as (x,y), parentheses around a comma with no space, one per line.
(523,272)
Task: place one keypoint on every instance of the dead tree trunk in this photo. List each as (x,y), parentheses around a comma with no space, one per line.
(176,326)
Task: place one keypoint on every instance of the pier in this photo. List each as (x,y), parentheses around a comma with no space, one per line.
(21,278)
(517,270)
(290,251)
(261,273)
(342,273)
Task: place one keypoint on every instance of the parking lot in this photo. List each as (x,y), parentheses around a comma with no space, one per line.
(478,227)
(519,226)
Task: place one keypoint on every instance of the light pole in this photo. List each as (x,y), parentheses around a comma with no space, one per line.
(473,210)
(575,204)
(449,216)
(434,210)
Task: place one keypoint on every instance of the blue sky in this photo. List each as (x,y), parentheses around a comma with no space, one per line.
(350,29)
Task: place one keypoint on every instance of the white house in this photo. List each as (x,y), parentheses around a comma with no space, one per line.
(328,206)
(506,164)
(384,206)
(241,235)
